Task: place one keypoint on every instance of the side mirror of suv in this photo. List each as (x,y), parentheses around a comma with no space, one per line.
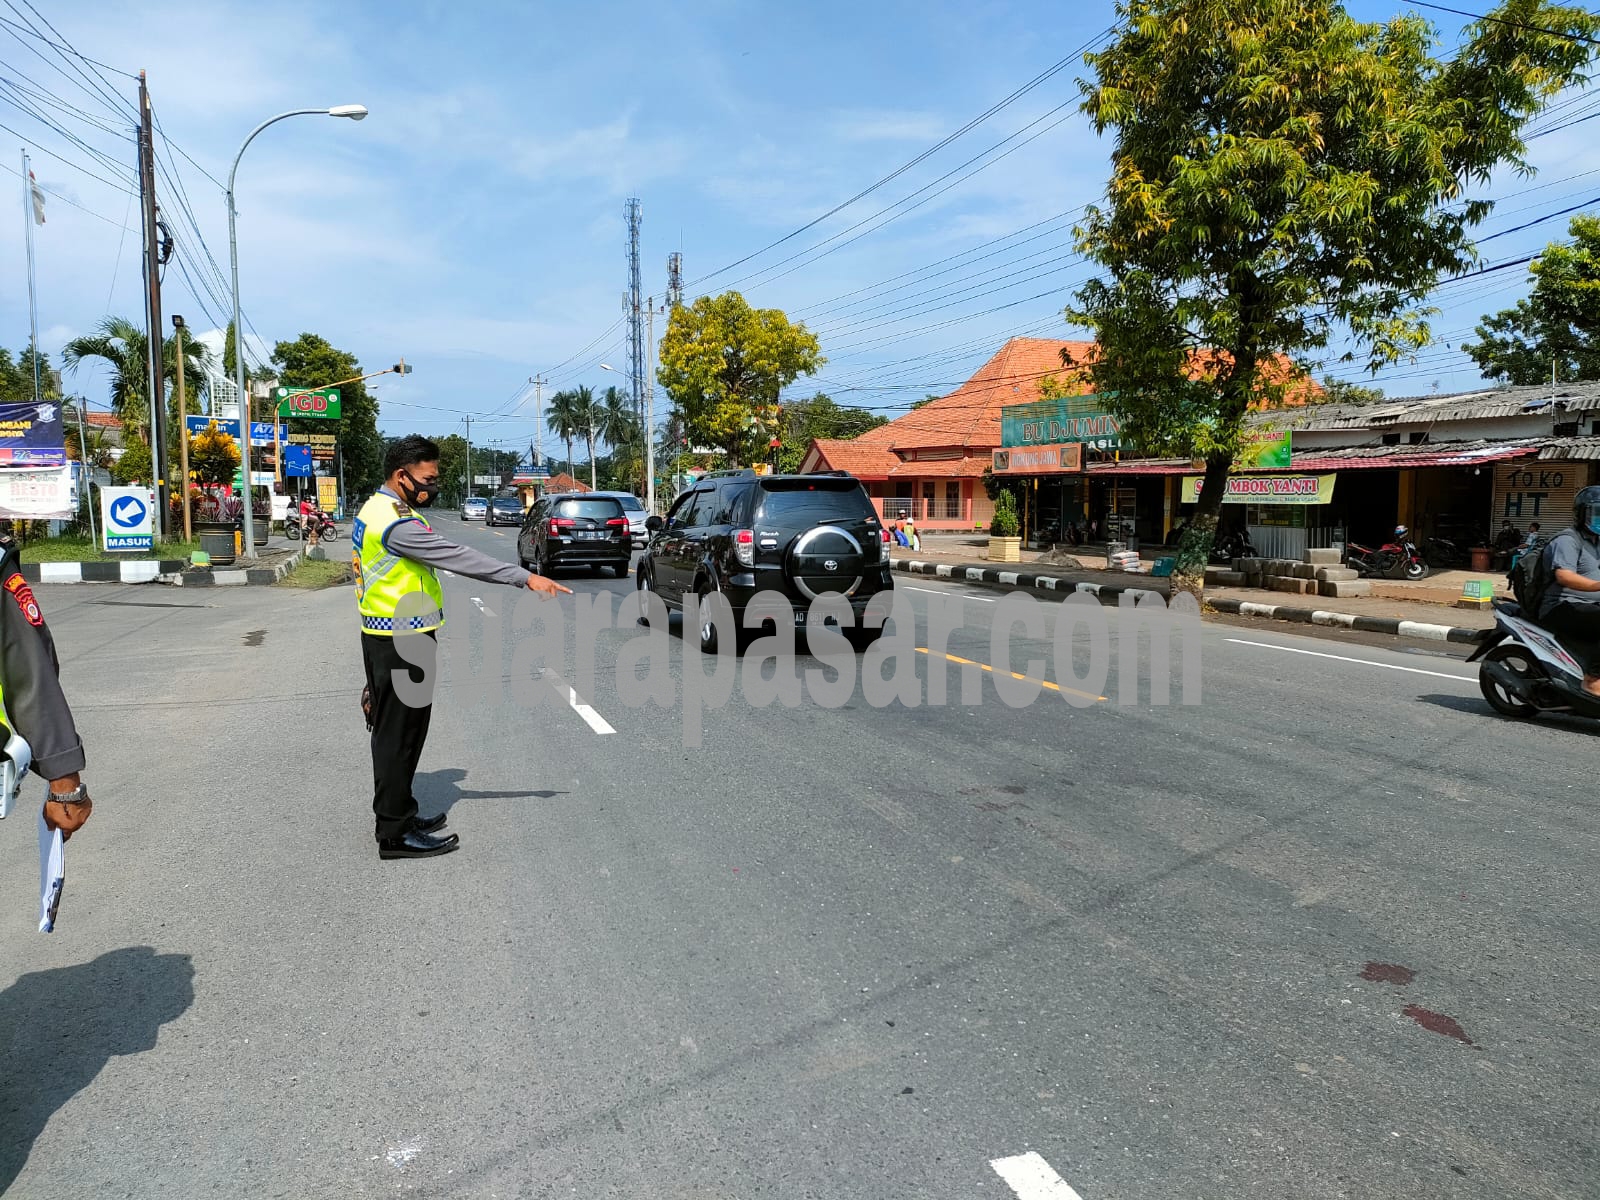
(653,523)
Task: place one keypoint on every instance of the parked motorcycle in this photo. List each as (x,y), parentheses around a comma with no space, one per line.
(1226,547)
(1445,554)
(1399,559)
(1524,671)
(326,529)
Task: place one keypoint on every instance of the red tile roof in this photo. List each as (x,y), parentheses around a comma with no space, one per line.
(562,482)
(862,461)
(970,467)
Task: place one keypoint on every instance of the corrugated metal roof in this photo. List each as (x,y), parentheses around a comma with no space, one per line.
(1481,405)
(1572,448)
(1352,458)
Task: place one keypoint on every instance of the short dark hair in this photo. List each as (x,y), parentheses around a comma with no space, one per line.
(1533,524)
(408,452)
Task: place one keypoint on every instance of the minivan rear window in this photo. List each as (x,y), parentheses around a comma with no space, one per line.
(822,500)
(600,510)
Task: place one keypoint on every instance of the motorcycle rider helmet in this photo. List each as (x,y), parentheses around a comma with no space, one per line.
(1586,510)
(1400,532)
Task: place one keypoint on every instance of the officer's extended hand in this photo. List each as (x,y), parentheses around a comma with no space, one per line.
(546,587)
(67,817)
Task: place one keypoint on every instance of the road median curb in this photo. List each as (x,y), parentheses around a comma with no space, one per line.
(1394,626)
(139,571)
(230,576)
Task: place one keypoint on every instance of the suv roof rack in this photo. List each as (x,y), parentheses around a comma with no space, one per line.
(730,473)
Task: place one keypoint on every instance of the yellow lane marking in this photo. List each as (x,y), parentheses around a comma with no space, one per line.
(1054,687)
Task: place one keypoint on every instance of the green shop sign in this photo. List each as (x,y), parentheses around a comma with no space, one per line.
(1064,419)
(1263,449)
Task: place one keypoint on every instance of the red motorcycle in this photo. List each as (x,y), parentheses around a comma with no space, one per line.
(1398,559)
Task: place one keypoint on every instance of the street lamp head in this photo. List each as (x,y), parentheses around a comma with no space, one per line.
(356,112)
(607,367)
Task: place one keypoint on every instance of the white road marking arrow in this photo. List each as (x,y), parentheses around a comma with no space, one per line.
(1031,1178)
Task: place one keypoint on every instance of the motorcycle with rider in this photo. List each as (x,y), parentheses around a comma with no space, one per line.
(1543,655)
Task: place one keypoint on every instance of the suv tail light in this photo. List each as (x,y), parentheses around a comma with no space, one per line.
(615,521)
(744,546)
(557,524)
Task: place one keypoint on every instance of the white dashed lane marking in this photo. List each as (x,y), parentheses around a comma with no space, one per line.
(484,609)
(1031,1178)
(1365,662)
(579,705)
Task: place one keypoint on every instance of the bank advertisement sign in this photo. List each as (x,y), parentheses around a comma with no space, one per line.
(1039,460)
(1266,489)
(31,435)
(1081,419)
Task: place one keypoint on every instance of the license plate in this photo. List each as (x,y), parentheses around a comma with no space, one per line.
(588,533)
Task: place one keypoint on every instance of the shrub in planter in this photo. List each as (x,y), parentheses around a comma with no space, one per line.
(1005,523)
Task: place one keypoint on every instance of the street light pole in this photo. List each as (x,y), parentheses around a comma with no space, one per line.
(354,112)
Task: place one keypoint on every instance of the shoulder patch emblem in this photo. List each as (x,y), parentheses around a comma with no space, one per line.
(23,595)
(402,509)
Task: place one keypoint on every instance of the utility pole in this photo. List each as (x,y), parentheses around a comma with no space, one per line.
(183,433)
(538,421)
(635,326)
(152,263)
(650,408)
(468,420)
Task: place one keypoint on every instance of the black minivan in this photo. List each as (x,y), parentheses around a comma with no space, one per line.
(575,530)
(740,533)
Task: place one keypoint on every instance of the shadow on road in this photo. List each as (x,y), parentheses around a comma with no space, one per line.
(438,791)
(59,1027)
(1477,706)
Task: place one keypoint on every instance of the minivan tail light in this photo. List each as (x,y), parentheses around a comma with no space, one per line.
(557,524)
(623,521)
(744,546)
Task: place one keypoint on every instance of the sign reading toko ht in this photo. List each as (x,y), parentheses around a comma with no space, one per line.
(126,517)
(309,402)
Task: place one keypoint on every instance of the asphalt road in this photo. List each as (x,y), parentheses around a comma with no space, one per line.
(1328,933)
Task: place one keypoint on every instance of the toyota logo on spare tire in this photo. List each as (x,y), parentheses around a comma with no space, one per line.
(832,564)
(837,553)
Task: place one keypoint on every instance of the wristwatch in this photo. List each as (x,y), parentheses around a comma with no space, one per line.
(76,796)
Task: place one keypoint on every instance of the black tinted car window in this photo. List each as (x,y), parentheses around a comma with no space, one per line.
(797,501)
(599,510)
(700,516)
(727,507)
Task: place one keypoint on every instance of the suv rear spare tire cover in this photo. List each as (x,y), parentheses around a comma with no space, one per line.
(824,559)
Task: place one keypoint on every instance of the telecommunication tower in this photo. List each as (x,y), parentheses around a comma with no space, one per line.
(674,280)
(635,313)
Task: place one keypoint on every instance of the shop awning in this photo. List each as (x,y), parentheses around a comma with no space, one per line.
(1351,458)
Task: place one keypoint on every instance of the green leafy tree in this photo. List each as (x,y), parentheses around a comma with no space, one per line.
(308,362)
(1280,170)
(1342,391)
(724,363)
(1558,326)
(819,417)
(619,428)
(586,410)
(15,386)
(133,464)
(565,417)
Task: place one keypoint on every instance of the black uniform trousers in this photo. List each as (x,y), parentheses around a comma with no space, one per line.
(398,733)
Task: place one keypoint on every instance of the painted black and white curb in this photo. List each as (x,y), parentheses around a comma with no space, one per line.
(100,572)
(230,576)
(1243,608)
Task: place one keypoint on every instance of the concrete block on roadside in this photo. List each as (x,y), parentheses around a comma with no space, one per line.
(1253,579)
(1327,557)
(1280,567)
(1304,571)
(1342,588)
(1225,578)
(1250,566)
(1337,574)
(1475,604)
(1287,583)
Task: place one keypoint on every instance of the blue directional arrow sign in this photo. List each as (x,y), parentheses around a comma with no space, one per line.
(127,523)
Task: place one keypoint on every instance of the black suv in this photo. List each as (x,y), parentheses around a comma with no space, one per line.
(574,530)
(740,533)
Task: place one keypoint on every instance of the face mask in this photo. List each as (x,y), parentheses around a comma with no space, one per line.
(1594,521)
(417,495)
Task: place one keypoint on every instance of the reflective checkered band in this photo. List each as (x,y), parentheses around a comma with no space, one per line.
(403,624)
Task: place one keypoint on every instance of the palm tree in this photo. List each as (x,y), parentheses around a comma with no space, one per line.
(565,419)
(122,345)
(620,429)
(588,413)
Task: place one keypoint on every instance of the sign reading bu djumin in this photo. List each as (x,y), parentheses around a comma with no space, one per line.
(1064,419)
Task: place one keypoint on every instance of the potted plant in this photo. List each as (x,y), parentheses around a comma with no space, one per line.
(1004,544)
(261,513)
(217,517)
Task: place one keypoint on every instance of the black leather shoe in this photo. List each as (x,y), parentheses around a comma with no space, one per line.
(412,844)
(428,824)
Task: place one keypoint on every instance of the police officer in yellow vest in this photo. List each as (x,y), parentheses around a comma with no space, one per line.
(395,556)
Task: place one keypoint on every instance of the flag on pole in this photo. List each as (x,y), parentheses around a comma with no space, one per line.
(38,199)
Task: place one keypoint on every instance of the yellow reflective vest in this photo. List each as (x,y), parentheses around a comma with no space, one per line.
(384,579)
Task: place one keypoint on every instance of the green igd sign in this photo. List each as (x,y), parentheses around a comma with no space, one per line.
(309,402)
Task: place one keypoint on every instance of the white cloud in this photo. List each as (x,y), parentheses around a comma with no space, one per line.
(890,125)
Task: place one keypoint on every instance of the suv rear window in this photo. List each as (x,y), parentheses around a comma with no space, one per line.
(812,501)
(601,510)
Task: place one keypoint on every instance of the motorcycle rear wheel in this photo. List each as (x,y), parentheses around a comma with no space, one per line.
(1416,570)
(1520,660)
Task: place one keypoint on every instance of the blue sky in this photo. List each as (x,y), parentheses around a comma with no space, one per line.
(474,222)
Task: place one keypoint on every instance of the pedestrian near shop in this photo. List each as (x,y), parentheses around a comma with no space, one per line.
(396,554)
